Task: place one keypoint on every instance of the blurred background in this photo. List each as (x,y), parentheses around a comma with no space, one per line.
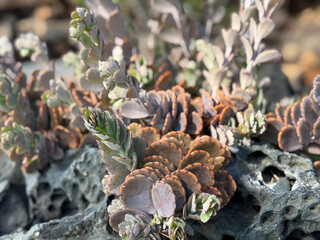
(297,35)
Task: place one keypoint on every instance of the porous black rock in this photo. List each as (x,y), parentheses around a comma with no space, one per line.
(277,197)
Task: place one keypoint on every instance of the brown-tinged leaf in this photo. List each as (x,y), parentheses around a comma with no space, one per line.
(287,116)
(149,134)
(219,108)
(296,113)
(88,139)
(272,130)
(304,132)
(167,150)
(316,128)
(156,165)
(43,116)
(181,122)
(167,123)
(211,190)
(288,139)
(178,190)
(153,101)
(118,216)
(180,136)
(66,137)
(163,81)
(225,115)
(225,184)
(240,103)
(196,106)
(158,122)
(202,172)
(182,104)
(314,102)
(136,193)
(174,104)
(173,140)
(199,156)
(163,198)
(44,77)
(156,171)
(195,124)
(211,145)
(189,181)
(307,111)
(145,172)
(158,159)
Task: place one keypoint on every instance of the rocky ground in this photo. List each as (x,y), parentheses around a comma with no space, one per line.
(278,197)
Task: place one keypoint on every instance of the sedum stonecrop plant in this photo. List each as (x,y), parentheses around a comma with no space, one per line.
(296,127)
(40,116)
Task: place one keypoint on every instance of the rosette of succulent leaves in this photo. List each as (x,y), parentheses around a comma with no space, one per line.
(297,126)
(177,179)
(40,117)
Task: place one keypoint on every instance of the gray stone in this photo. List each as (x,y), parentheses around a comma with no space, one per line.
(89,225)
(278,197)
(68,186)
(13,199)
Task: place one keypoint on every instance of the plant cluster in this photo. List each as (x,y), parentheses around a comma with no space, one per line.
(296,127)
(160,160)
(178,179)
(167,120)
(40,116)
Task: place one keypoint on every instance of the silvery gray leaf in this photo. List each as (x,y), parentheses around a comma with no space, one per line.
(218,55)
(229,36)
(267,56)
(265,27)
(235,22)
(116,23)
(171,36)
(248,48)
(252,30)
(133,110)
(247,13)
(164,6)
(260,8)
(246,79)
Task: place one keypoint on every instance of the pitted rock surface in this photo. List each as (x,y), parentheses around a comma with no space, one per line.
(278,197)
(13,199)
(68,186)
(89,225)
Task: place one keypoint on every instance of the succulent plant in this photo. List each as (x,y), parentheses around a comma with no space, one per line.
(201,206)
(43,108)
(250,32)
(30,45)
(16,137)
(296,126)
(116,144)
(171,110)
(173,169)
